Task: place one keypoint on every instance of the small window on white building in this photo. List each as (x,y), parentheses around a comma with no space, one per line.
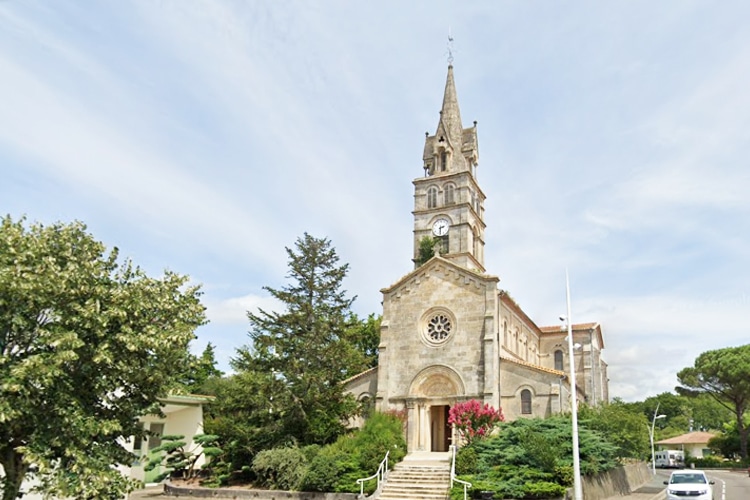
(157,430)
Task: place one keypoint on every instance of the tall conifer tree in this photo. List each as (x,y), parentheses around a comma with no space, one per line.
(306,346)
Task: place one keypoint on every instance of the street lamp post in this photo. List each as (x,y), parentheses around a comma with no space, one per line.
(577,490)
(651,437)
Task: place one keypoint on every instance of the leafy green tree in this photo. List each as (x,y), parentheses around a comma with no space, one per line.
(365,335)
(87,345)
(243,415)
(724,374)
(200,370)
(707,414)
(307,346)
(426,249)
(622,424)
(727,443)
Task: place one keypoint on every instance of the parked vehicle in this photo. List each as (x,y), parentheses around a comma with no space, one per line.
(669,459)
(693,484)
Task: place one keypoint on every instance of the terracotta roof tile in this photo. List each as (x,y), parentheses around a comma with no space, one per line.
(359,375)
(535,367)
(576,327)
(696,437)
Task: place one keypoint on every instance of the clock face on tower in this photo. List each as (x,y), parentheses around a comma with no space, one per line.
(440,227)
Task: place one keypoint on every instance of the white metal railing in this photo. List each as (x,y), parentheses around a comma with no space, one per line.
(381,475)
(465,484)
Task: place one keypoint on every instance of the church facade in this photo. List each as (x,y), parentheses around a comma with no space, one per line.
(448,333)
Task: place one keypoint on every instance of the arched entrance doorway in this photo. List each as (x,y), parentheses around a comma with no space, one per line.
(432,392)
(441,435)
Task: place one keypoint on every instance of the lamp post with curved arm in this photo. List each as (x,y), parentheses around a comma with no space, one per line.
(651,437)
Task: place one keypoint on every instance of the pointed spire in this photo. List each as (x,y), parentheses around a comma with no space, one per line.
(450,116)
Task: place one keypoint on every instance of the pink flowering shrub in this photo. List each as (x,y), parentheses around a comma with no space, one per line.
(473,420)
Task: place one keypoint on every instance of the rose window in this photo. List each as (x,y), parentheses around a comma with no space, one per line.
(439,328)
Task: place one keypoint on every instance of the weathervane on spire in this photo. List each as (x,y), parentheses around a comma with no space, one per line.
(450,47)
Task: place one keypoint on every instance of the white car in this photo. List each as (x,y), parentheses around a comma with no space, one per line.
(689,485)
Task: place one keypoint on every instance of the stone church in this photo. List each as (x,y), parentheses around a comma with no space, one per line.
(448,333)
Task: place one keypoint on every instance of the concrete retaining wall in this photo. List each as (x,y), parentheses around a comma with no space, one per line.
(620,481)
(173,491)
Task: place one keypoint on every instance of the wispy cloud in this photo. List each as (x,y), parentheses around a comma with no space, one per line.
(207,135)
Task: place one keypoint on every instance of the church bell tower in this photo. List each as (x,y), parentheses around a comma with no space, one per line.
(448,203)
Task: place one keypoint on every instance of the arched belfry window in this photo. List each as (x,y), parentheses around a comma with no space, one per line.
(450,198)
(559,360)
(443,160)
(525,402)
(432,193)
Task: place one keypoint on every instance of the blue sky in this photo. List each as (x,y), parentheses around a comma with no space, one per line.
(205,136)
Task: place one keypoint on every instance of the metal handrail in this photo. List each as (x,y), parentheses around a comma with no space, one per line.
(465,484)
(381,474)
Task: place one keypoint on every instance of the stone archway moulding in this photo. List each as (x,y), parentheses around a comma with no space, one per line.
(437,382)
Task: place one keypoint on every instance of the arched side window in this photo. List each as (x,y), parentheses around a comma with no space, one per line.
(525,402)
(450,197)
(559,360)
(432,193)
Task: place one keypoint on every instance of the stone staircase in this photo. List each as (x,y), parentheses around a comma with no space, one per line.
(424,476)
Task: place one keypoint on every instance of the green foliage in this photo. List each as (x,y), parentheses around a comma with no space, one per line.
(280,468)
(381,433)
(705,462)
(532,458)
(332,470)
(365,336)
(511,482)
(724,374)
(543,489)
(87,345)
(201,372)
(351,457)
(466,460)
(174,456)
(708,414)
(621,424)
(426,249)
(243,415)
(727,443)
(306,348)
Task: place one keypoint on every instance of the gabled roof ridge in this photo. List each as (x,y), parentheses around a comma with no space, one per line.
(432,261)
(359,375)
